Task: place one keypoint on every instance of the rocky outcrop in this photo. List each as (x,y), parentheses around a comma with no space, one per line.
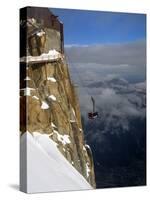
(49,105)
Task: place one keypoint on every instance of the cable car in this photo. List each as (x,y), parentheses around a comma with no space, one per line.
(93,115)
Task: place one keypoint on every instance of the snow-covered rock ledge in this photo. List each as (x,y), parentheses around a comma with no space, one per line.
(47,168)
(50,56)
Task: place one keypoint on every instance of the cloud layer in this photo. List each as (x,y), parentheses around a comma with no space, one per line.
(127,60)
(109,54)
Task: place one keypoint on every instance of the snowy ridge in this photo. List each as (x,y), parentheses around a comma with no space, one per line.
(47,168)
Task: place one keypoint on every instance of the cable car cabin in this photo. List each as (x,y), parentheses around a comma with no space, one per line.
(93,115)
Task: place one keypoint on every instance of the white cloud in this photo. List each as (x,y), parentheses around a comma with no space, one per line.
(94,62)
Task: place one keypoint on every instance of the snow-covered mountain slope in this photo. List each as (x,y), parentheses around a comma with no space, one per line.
(47,168)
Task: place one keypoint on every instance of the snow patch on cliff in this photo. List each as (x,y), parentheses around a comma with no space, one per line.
(51,55)
(44,105)
(53,125)
(72,120)
(52,97)
(35,97)
(64,139)
(41,33)
(52,79)
(27,78)
(87,169)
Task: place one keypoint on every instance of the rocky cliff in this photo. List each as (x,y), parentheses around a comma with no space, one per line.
(49,105)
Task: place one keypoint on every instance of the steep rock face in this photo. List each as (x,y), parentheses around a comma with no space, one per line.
(49,104)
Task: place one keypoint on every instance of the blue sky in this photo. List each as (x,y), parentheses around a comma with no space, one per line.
(97,27)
